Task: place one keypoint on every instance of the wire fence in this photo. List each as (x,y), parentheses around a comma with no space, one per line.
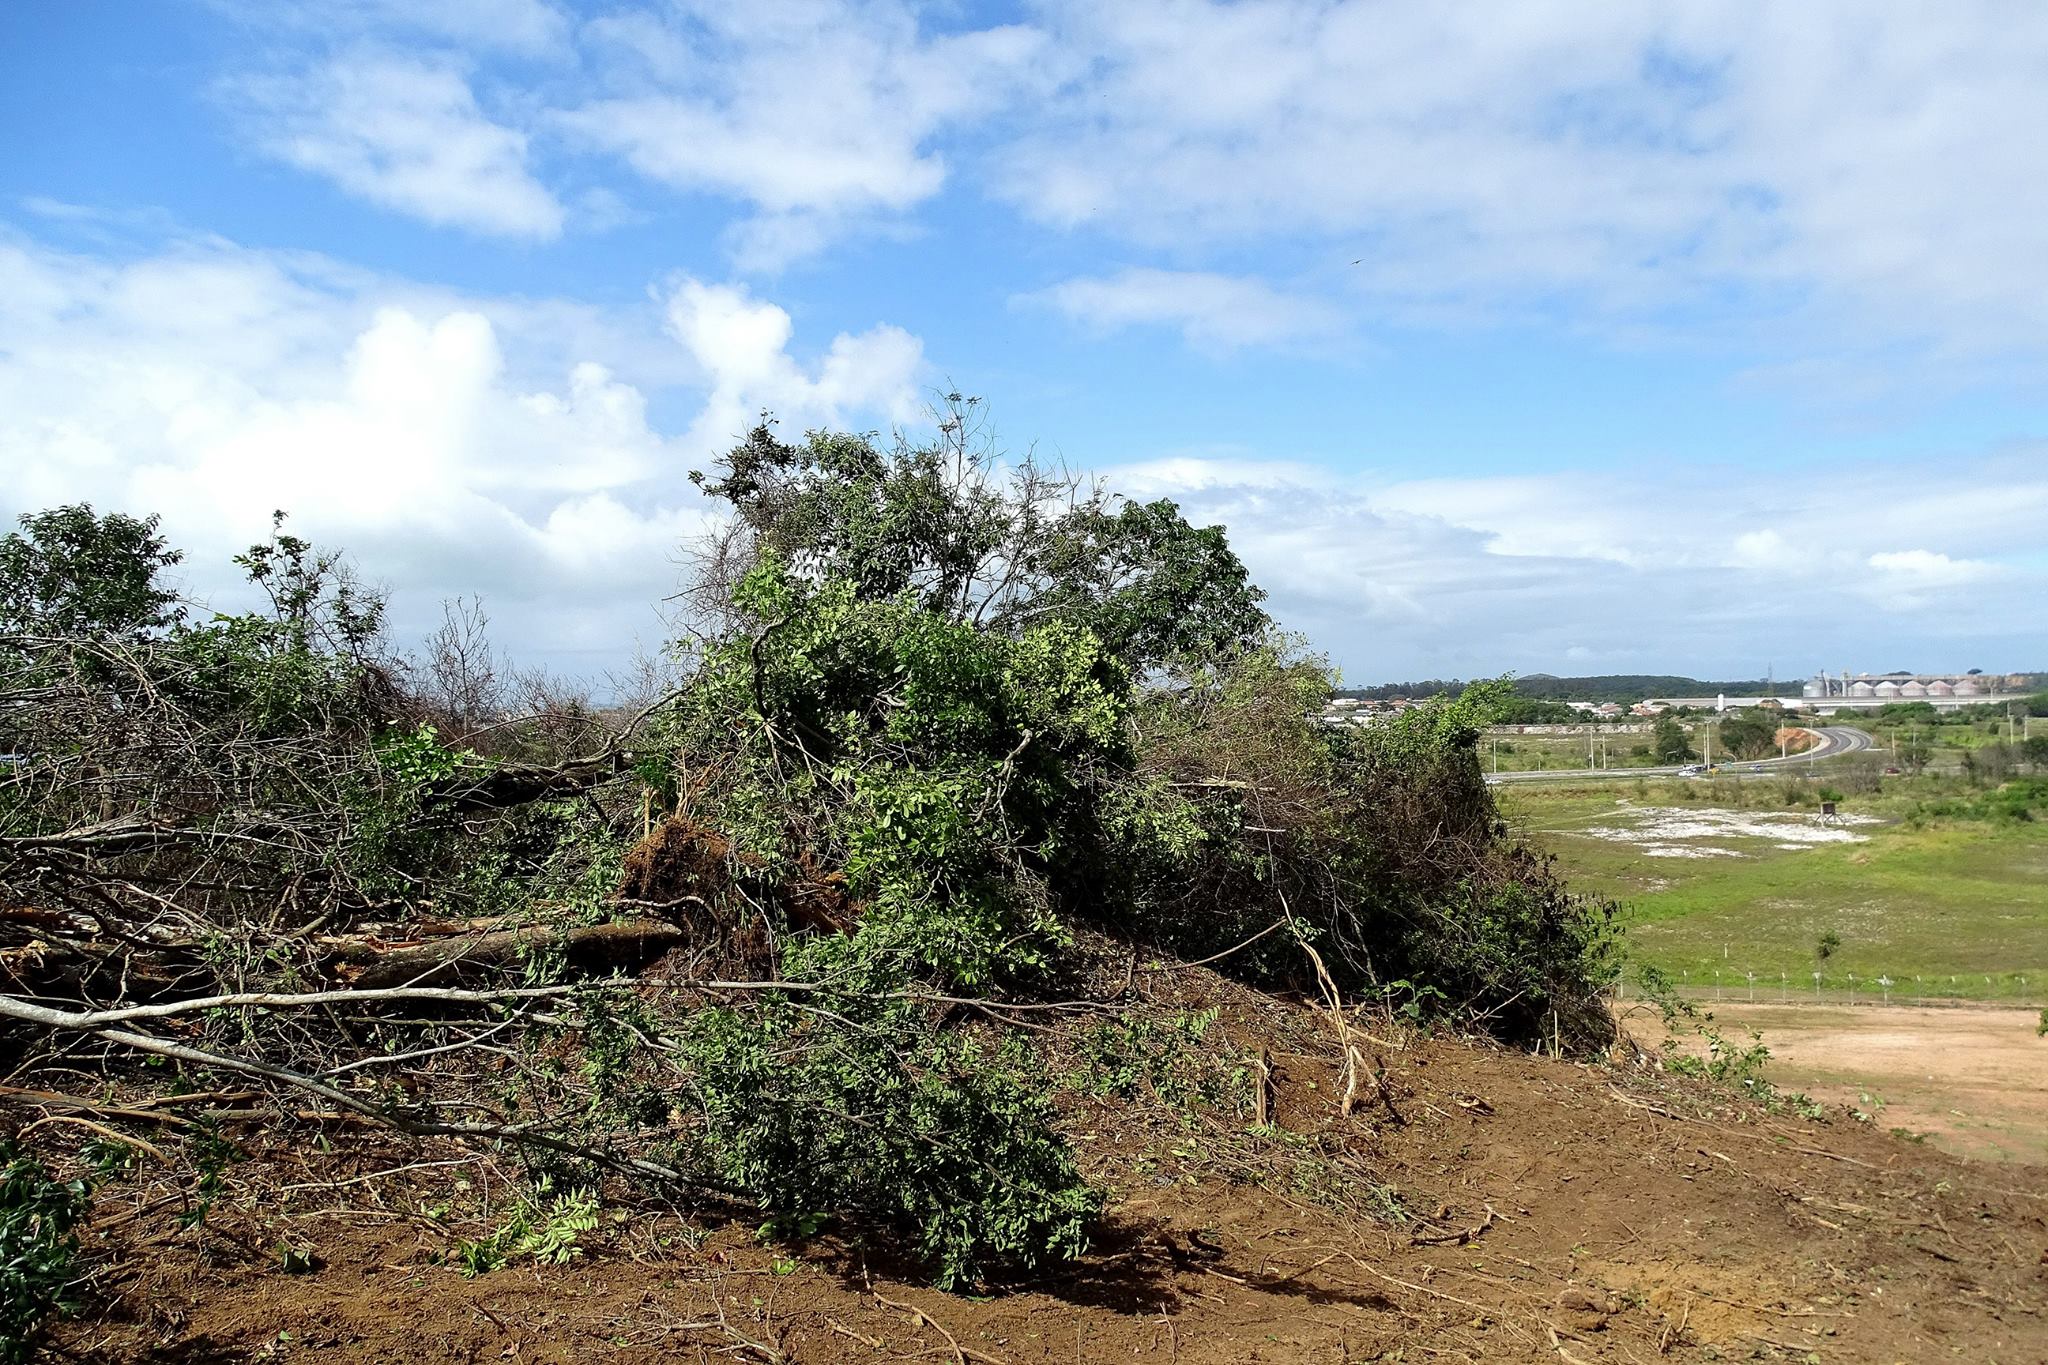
(1789,987)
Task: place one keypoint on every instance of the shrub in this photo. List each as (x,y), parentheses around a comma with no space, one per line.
(1383,845)
(842,1107)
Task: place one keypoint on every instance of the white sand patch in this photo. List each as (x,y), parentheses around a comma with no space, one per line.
(1690,851)
(1664,828)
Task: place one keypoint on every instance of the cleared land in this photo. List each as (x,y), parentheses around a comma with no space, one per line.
(1972,1079)
(1722,878)
(1518,1209)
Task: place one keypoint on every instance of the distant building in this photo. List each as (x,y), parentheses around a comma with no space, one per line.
(1846,693)
(1846,684)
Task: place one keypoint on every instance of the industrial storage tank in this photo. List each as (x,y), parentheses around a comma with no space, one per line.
(1941,688)
(1860,689)
(1967,687)
(1887,688)
(1915,688)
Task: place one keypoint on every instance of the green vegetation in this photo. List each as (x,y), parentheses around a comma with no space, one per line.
(1749,734)
(1740,1065)
(1943,896)
(536,1229)
(1984,743)
(39,1215)
(944,730)
(1670,744)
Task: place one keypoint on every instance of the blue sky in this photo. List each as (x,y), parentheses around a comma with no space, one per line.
(1555,337)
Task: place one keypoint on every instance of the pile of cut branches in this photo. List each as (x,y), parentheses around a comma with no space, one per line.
(785,931)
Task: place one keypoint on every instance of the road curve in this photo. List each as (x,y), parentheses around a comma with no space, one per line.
(1835,742)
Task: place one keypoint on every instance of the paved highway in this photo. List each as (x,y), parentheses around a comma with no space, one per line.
(1835,741)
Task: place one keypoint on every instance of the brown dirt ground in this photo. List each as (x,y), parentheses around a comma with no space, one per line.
(1607,1214)
(1972,1079)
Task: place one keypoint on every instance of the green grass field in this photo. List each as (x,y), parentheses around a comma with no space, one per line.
(1551,753)
(1956,909)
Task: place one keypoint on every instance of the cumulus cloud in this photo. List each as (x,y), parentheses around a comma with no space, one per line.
(213,384)
(1211,311)
(406,133)
(743,345)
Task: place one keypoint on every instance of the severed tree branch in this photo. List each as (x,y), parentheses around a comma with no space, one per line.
(396,1120)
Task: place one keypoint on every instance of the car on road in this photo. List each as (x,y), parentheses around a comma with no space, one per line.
(1691,770)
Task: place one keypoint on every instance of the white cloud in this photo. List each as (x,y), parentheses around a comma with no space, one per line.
(1926,568)
(1663,572)
(1211,311)
(743,346)
(817,116)
(405,133)
(1742,161)
(1821,186)
(1183,473)
(213,384)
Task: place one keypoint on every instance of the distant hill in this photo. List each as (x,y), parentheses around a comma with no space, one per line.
(1617,687)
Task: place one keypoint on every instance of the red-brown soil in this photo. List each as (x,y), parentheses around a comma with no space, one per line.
(1969,1078)
(1527,1209)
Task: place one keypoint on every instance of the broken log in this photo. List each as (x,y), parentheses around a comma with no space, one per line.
(591,949)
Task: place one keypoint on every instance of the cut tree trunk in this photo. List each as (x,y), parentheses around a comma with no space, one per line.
(591,950)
